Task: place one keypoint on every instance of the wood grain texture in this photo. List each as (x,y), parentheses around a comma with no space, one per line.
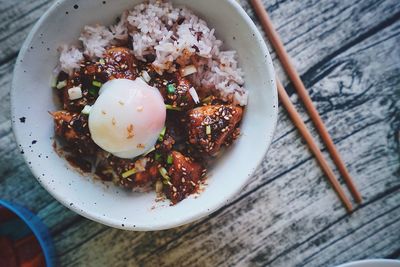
(287,215)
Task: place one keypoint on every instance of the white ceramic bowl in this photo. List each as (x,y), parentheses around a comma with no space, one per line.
(32,98)
(372,263)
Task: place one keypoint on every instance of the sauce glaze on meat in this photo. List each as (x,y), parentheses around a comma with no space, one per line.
(194,135)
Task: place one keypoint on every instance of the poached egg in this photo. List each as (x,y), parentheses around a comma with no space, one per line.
(127,117)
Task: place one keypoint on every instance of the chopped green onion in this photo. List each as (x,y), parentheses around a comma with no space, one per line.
(170,107)
(170,159)
(161,136)
(151,150)
(102,61)
(194,95)
(157,157)
(129,173)
(164,174)
(93,91)
(86,110)
(171,88)
(61,84)
(208,99)
(159,187)
(208,129)
(146,77)
(53,83)
(97,83)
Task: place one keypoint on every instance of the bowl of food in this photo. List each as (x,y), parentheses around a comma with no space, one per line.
(144,115)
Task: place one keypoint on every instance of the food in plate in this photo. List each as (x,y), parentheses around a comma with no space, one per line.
(149,102)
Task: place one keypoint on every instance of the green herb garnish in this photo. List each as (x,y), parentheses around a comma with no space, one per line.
(151,150)
(129,173)
(162,134)
(157,157)
(207,100)
(159,187)
(171,88)
(170,107)
(93,91)
(61,84)
(86,110)
(164,174)
(170,159)
(208,129)
(53,83)
(97,84)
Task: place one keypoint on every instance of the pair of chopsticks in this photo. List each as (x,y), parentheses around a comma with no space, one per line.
(312,111)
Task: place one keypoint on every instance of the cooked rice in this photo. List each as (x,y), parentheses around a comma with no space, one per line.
(70,58)
(153,29)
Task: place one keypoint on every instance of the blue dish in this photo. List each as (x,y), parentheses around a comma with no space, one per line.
(34,224)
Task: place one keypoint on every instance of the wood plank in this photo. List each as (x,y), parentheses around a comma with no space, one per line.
(380,232)
(342,234)
(17,20)
(272,215)
(5,86)
(315,31)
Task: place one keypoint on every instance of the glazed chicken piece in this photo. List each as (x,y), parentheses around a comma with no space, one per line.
(78,104)
(144,172)
(120,63)
(75,81)
(73,129)
(185,175)
(176,93)
(140,179)
(212,126)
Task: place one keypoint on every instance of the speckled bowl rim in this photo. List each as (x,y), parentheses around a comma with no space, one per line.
(179,222)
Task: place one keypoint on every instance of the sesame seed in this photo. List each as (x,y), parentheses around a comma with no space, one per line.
(141,146)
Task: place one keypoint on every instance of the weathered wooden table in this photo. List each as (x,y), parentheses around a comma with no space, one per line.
(348,53)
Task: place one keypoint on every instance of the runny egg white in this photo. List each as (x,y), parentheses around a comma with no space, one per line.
(127,117)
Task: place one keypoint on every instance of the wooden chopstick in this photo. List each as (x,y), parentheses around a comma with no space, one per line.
(298,122)
(303,94)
